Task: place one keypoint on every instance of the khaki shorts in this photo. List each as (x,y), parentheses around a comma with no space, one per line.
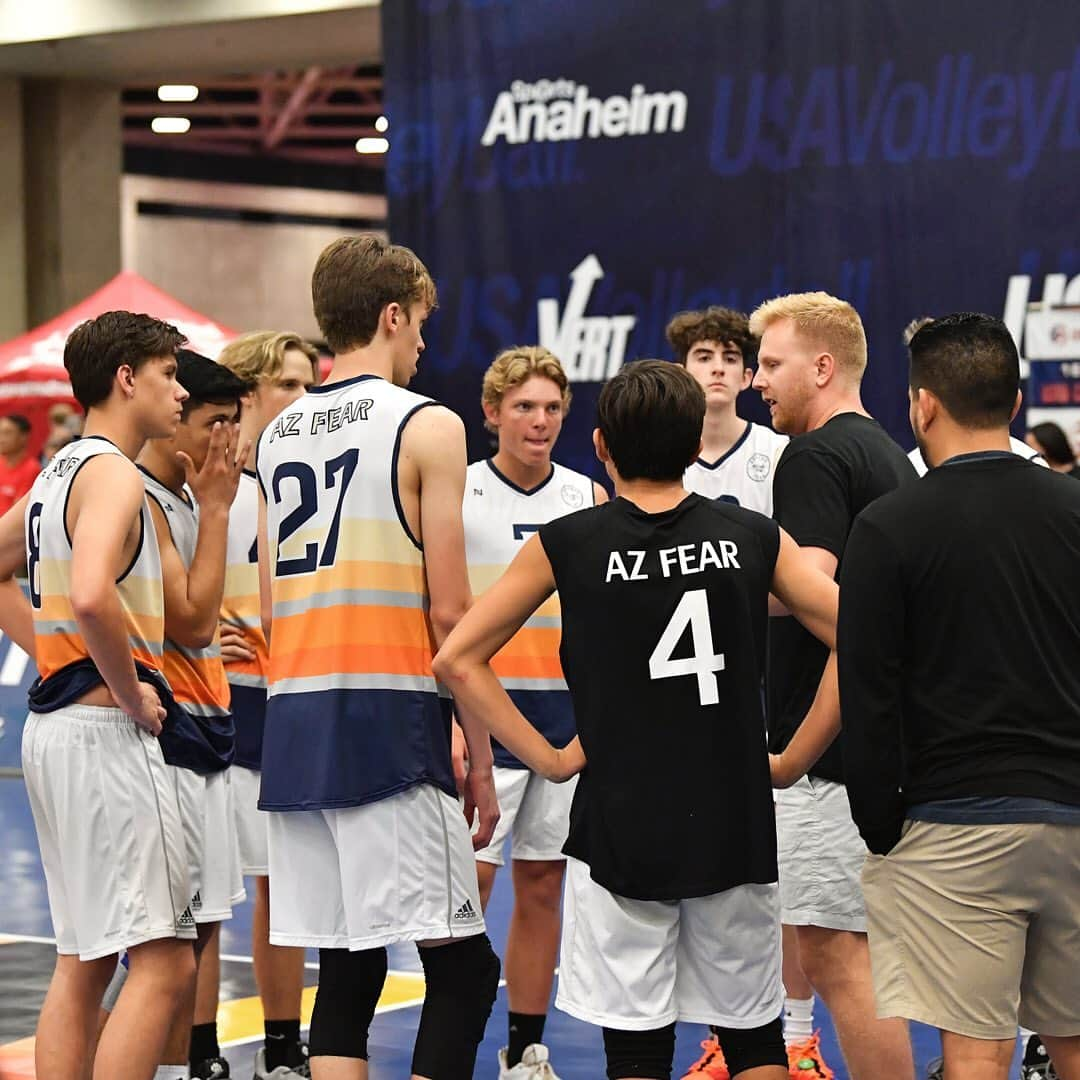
(974,927)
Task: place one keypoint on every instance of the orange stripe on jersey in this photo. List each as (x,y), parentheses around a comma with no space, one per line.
(530,654)
(196,680)
(353,625)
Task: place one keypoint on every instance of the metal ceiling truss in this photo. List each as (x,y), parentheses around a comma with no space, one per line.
(315,116)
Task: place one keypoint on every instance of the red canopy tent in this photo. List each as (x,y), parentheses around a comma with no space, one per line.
(32,375)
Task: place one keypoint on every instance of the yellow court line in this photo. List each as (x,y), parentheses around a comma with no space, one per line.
(241,1020)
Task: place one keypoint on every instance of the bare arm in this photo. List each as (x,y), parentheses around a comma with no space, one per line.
(463,663)
(193,596)
(99,554)
(823,560)
(803,582)
(816,733)
(16,616)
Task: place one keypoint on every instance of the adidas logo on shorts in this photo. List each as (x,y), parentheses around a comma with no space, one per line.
(186,921)
(465,912)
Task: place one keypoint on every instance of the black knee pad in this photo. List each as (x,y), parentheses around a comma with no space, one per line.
(349,987)
(751,1048)
(640,1053)
(462,980)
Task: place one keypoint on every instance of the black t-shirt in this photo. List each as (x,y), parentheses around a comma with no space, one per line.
(959,642)
(823,480)
(663,647)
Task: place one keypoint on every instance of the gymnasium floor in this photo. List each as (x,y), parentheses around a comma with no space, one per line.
(26,960)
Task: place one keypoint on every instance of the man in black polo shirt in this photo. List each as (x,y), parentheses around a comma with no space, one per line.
(960,691)
(811,362)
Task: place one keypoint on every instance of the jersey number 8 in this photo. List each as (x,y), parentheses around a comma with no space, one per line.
(692,610)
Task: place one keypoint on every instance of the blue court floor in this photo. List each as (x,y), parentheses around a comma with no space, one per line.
(26,960)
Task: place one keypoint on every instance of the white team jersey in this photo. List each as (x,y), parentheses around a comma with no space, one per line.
(1017,446)
(499,518)
(744,475)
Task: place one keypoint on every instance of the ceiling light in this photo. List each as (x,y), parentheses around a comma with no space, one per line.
(381,124)
(372,145)
(175,92)
(170,125)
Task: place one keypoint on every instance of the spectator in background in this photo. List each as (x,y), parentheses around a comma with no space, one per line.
(57,440)
(18,468)
(64,418)
(1050,441)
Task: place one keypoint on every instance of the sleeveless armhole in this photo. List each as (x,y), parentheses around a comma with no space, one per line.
(402,520)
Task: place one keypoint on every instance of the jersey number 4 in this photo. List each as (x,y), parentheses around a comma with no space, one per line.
(307,483)
(692,611)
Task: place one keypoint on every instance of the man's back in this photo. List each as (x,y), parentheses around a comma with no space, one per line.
(353,714)
(823,480)
(663,645)
(977,584)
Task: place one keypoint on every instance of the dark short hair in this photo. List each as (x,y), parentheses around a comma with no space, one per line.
(969,362)
(355,278)
(19,421)
(650,415)
(98,348)
(719,324)
(1054,443)
(207,382)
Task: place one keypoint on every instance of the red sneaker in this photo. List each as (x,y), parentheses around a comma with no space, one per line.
(805,1061)
(711,1064)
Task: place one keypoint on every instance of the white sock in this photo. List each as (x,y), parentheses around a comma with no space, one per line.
(1025,1034)
(798,1020)
(172,1072)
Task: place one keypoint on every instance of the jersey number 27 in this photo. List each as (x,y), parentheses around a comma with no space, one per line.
(692,611)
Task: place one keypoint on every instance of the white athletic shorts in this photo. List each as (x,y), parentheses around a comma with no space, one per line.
(821,857)
(251,822)
(401,869)
(535,812)
(110,831)
(643,964)
(213,859)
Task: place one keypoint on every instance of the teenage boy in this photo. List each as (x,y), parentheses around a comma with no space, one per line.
(103,800)
(672,911)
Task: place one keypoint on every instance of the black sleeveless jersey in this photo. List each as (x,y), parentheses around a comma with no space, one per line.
(663,647)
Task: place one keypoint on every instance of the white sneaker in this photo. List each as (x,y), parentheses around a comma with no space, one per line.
(282,1072)
(534,1065)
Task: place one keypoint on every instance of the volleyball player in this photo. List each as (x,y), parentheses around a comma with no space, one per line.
(508,497)
(737,456)
(191,479)
(363,572)
(811,360)
(671,907)
(104,804)
(736,463)
(280,367)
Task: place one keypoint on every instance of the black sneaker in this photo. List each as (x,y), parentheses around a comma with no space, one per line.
(210,1069)
(1037,1064)
(936,1069)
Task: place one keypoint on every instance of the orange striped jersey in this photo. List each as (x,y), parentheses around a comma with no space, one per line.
(197,676)
(240,608)
(499,517)
(353,714)
(57,638)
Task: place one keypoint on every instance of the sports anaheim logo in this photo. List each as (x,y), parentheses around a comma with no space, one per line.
(591,347)
(559,110)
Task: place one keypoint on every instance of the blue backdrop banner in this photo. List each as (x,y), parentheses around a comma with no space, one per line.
(576,172)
